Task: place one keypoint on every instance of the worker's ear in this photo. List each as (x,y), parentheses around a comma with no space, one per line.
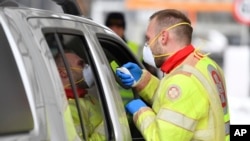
(164,37)
(63,73)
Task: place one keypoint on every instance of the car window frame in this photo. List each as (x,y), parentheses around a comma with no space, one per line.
(125,55)
(112,118)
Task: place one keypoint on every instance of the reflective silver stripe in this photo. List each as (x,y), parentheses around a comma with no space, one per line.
(146,122)
(205,134)
(227,128)
(177,119)
(201,135)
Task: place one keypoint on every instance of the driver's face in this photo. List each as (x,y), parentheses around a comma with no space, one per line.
(77,64)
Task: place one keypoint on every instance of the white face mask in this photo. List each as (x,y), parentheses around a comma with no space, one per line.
(148,56)
(88,75)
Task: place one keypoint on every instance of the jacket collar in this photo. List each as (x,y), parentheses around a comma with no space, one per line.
(176,59)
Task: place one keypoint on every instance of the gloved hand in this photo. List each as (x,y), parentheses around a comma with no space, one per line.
(134,70)
(126,79)
(134,105)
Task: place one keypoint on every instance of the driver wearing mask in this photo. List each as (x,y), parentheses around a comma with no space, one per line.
(83,77)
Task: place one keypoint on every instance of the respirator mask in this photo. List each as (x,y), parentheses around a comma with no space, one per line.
(88,75)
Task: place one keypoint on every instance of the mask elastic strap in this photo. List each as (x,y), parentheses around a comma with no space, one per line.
(197,52)
(67,85)
(163,55)
(75,68)
(171,27)
(175,25)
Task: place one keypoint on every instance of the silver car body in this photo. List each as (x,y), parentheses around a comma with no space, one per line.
(43,92)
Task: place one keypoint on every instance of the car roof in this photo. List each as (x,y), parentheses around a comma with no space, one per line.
(41,13)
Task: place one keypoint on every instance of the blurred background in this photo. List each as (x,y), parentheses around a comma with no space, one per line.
(221,27)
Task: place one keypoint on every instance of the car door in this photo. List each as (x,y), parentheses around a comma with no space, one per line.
(17,114)
(118,53)
(61,34)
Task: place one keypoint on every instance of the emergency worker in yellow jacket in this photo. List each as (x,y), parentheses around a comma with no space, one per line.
(91,112)
(190,101)
(116,21)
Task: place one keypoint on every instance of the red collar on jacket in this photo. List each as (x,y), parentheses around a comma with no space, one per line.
(81,93)
(176,59)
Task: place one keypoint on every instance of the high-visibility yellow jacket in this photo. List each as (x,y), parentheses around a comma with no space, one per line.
(189,103)
(69,125)
(92,118)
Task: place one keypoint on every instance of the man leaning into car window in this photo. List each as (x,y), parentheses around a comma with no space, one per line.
(91,112)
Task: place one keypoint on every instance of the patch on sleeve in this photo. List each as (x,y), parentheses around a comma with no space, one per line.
(173,92)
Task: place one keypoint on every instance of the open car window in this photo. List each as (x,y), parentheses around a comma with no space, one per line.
(118,54)
(77,72)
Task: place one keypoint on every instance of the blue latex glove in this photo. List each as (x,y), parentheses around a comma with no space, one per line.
(126,79)
(134,69)
(134,105)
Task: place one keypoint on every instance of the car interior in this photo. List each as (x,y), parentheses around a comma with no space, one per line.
(116,53)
